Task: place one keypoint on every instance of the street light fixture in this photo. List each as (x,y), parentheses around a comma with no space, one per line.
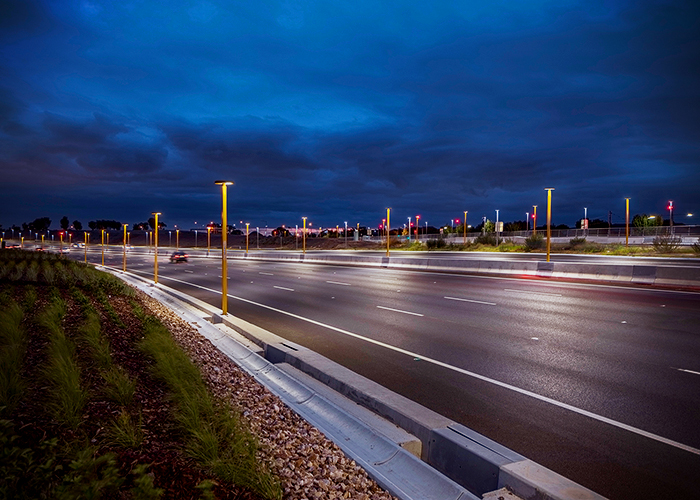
(388,234)
(103,247)
(303,236)
(534,220)
(124,259)
(209,237)
(627,222)
(465,226)
(497,232)
(224,244)
(549,220)
(247,233)
(155,248)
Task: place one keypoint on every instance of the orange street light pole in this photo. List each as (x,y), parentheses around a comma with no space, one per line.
(155,248)
(224,245)
(549,220)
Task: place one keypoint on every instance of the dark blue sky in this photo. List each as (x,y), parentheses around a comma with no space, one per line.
(336,110)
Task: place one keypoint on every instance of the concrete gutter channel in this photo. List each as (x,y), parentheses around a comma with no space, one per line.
(410,450)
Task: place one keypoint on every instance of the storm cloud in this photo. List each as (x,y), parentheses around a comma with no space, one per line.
(336,111)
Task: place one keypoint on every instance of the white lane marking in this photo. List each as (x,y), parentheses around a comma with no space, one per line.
(470,300)
(535,293)
(504,385)
(399,311)
(534,338)
(338,283)
(688,371)
(267,274)
(283,288)
(188,271)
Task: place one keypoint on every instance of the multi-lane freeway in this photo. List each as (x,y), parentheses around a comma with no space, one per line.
(600,383)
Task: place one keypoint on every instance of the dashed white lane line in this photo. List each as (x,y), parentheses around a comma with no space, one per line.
(284,288)
(688,371)
(338,283)
(470,300)
(267,274)
(534,395)
(188,271)
(399,311)
(532,293)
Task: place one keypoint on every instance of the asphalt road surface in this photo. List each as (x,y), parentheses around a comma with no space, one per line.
(598,383)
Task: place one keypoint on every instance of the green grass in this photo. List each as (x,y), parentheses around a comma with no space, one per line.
(67,397)
(119,387)
(215,435)
(12,350)
(74,467)
(125,432)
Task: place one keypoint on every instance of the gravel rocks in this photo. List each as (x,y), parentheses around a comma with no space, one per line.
(308,465)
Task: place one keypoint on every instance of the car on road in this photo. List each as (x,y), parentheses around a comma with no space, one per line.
(78,245)
(14,246)
(179,256)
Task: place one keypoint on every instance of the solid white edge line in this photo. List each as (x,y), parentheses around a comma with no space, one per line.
(414,355)
(688,371)
(399,311)
(528,291)
(470,300)
(282,288)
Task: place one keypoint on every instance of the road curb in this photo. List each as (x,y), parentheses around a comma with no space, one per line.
(457,462)
(367,441)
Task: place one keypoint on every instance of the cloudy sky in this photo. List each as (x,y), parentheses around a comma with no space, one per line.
(336,110)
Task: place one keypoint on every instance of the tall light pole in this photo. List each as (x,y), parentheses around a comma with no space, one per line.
(627,222)
(549,220)
(417,227)
(346,234)
(497,235)
(534,220)
(670,215)
(527,221)
(86,244)
(155,248)
(388,234)
(465,226)
(585,217)
(208,238)
(247,233)
(124,259)
(177,239)
(409,229)
(296,236)
(224,244)
(257,237)
(303,236)
(103,247)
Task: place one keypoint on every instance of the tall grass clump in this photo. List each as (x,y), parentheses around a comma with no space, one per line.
(48,273)
(13,346)
(534,242)
(125,432)
(67,396)
(696,247)
(215,435)
(666,243)
(119,387)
